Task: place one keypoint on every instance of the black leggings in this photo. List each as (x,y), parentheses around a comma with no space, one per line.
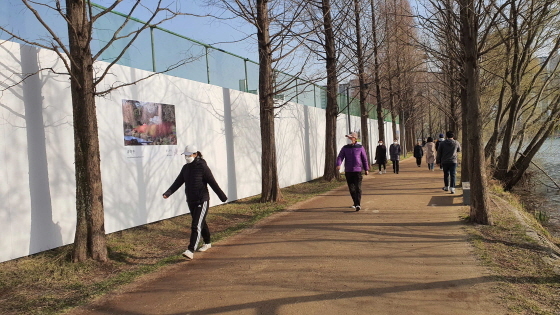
(354,181)
(384,164)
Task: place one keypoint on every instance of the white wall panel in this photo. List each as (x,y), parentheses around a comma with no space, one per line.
(37,149)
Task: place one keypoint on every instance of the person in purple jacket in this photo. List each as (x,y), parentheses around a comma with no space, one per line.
(355,160)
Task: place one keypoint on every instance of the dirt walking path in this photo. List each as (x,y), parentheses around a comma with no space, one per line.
(405,252)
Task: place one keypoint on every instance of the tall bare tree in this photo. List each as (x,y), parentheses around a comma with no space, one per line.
(78,59)
(277,25)
(527,109)
(331,112)
(376,41)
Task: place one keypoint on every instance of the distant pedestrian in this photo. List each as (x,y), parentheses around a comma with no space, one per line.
(439,141)
(447,158)
(355,161)
(196,176)
(418,153)
(395,155)
(430,153)
(381,156)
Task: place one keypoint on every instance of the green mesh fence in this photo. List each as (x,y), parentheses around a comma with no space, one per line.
(159,50)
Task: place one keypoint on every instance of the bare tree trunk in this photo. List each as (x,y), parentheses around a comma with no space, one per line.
(364,113)
(469,36)
(465,156)
(330,172)
(89,241)
(377,80)
(270,186)
(392,108)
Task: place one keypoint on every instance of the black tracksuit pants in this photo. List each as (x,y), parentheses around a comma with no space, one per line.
(354,181)
(199,228)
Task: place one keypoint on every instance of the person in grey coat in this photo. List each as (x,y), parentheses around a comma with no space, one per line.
(395,155)
(447,158)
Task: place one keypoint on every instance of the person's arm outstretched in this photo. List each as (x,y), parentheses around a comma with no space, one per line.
(179,181)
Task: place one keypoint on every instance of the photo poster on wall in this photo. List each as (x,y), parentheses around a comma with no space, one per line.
(148,124)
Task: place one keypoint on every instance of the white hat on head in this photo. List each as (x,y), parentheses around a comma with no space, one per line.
(190,149)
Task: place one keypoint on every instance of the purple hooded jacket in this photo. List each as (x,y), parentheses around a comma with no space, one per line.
(355,158)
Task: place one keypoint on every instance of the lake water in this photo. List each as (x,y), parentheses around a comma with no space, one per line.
(548,159)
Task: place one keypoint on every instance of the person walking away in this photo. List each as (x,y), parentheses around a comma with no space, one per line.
(430,153)
(196,175)
(381,156)
(418,153)
(395,155)
(439,141)
(355,160)
(447,159)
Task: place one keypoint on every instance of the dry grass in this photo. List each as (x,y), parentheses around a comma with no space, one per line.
(528,285)
(48,283)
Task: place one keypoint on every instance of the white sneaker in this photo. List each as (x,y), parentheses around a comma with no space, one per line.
(452,190)
(445,188)
(380,173)
(358,208)
(384,171)
(205,247)
(353,207)
(188,254)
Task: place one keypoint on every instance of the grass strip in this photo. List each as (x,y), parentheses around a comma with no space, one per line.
(527,284)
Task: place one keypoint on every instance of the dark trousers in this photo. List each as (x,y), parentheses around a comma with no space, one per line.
(384,164)
(395,166)
(354,180)
(198,226)
(449,172)
(419,161)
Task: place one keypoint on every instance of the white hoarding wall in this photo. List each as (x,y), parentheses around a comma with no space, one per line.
(37,149)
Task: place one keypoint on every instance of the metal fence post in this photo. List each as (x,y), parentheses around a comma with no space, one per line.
(154,69)
(246,76)
(314,95)
(297,93)
(207,65)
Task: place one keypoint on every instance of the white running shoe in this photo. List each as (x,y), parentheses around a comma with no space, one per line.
(384,171)
(205,247)
(358,208)
(452,190)
(188,254)
(445,188)
(353,207)
(380,173)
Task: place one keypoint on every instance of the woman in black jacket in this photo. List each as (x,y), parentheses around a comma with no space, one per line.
(381,156)
(196,176)
(418,153)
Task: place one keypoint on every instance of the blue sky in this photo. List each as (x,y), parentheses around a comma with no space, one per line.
(224,34)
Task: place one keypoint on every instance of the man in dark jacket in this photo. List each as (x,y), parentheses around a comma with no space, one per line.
(196,175)
(418,153)
(447,158)
(355,160)
(395,155)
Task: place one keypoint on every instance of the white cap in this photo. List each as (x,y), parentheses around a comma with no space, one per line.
(190,149)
